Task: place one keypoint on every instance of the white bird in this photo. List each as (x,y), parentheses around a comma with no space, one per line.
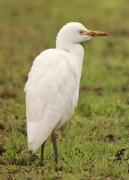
(52,88)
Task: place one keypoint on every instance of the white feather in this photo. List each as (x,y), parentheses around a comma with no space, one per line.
(52,88)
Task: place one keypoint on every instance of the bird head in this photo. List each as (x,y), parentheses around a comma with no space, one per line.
(75,33)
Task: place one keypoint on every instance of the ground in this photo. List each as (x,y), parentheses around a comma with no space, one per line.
(94,143)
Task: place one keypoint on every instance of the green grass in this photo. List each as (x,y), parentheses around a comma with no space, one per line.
(90,141)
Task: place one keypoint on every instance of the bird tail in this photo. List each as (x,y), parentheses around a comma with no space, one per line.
(37,133)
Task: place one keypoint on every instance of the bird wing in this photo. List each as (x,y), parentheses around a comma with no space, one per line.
(49,89)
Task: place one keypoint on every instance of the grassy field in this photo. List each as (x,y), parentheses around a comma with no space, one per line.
(94,144)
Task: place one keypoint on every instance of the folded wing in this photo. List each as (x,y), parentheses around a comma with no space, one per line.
(49,96)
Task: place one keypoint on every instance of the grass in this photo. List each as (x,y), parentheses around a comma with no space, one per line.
(91,143)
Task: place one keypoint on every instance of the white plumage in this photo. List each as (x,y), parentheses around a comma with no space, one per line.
(51,94)
(52,88)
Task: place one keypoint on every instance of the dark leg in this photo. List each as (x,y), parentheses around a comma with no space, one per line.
(42,152)
(55,146)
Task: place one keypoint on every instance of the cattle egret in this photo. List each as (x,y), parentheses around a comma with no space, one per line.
(52,88)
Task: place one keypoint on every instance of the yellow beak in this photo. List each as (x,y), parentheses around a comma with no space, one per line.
(94,33)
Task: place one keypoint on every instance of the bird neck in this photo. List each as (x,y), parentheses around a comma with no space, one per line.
(76,52)
(73,48)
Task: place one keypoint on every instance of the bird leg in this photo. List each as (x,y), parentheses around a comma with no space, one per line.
(42,153)
(55,146)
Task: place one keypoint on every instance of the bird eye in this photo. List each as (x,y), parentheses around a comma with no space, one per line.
(80,31)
